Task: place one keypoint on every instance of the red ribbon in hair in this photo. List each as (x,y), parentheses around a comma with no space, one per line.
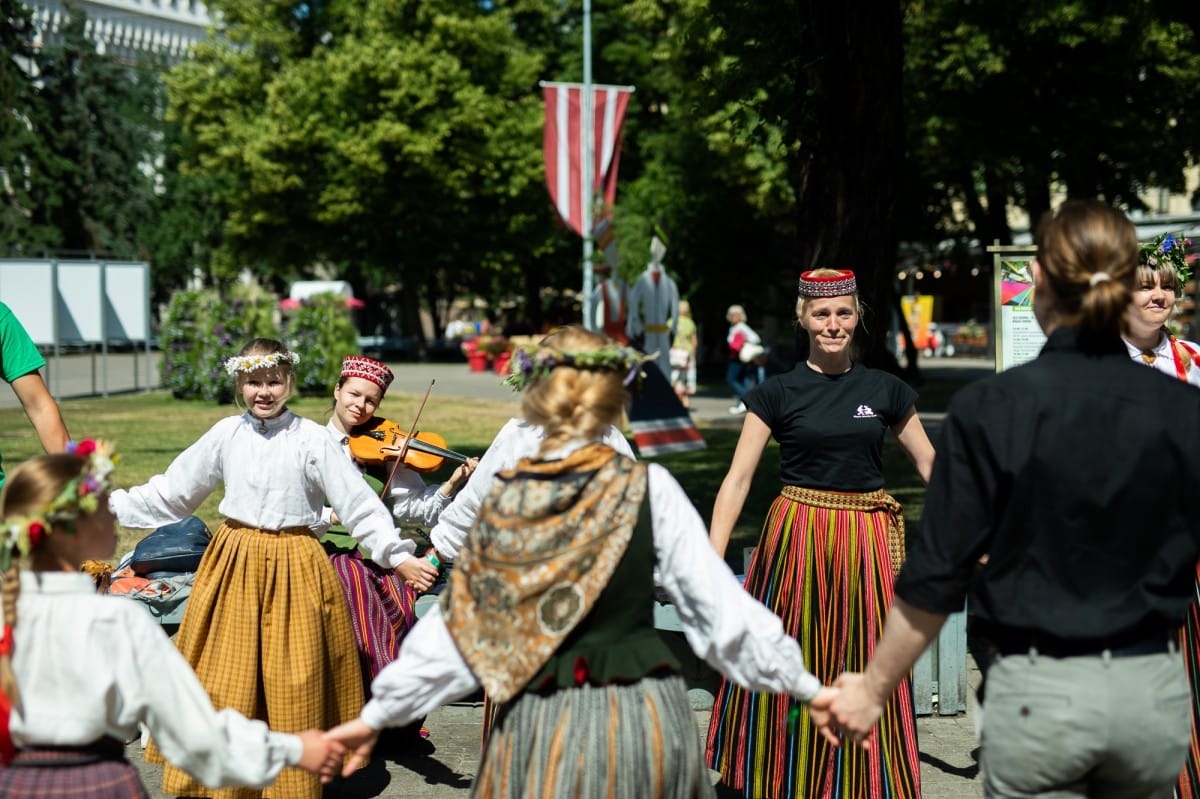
(8,749)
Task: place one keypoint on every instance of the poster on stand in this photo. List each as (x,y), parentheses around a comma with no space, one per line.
(1018,337)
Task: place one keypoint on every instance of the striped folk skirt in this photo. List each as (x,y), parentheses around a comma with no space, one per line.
(826,572)
(267,632)
(635,741)
(1188,786)
(72,773)
(382,609)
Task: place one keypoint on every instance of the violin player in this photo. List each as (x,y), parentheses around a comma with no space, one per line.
(381,600)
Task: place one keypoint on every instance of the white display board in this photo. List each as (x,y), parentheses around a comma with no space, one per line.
(68,302)
(27,287)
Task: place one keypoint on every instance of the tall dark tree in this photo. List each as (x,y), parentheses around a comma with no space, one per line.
(100,137)
(21,150)
(1013,102)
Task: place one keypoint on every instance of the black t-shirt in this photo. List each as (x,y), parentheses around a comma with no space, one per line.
(830,428)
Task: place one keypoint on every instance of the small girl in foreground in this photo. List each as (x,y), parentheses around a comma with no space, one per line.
(266,627)
(80,671)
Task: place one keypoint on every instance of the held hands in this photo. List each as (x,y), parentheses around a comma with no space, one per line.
(418,574)
(320,755)
(856,707)
(822,719)
(359,738)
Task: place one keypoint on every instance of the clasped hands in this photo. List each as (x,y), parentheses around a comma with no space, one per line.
(324,753)
(848,709)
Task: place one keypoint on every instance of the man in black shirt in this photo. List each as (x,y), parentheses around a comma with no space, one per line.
(1078,477)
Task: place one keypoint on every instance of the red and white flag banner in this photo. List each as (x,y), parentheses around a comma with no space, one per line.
(562,145)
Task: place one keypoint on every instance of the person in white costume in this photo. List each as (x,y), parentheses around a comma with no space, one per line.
(578,536)
(81,671)
(654,307)
(266,626)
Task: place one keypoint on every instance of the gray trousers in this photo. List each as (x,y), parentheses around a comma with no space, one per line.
(1100,726)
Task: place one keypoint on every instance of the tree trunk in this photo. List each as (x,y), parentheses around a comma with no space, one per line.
(852,151)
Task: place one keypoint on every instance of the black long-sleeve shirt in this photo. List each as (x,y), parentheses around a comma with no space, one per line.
(1079,476)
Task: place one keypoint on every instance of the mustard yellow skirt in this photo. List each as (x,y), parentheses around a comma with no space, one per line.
(267,631)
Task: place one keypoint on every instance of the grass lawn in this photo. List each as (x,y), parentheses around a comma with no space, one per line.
(150,429)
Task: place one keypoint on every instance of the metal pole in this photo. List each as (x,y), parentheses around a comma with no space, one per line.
(589,146)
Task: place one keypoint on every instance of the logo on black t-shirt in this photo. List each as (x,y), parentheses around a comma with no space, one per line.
(864,412)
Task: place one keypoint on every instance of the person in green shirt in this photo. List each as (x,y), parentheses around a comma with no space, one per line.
(19,365)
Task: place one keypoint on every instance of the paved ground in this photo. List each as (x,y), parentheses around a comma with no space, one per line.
(947,743)
(948,768)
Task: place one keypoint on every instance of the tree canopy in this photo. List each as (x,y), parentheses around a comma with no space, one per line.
(398,144)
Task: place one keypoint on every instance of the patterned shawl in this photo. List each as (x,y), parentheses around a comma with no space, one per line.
(544,545)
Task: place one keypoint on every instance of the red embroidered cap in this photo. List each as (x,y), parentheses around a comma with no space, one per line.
(367,369)
(838,283)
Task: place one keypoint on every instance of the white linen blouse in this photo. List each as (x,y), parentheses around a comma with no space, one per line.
(277,473)
(516,440)
(1164,358)
(723,624)
(89,666)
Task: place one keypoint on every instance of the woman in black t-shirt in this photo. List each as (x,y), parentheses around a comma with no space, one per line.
(826,559)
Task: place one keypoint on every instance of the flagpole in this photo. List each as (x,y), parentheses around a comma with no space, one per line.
(589,146)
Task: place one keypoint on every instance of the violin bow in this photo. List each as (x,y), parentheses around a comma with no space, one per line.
(411,432)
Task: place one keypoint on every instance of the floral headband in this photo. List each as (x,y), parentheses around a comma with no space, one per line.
(1166,250)
(79,496)
(528,365)
(252,363)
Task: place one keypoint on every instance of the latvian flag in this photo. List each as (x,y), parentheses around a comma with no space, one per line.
(660,422)
(562,145)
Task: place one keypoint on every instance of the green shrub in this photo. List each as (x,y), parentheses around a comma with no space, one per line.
(200,330)
(322,332)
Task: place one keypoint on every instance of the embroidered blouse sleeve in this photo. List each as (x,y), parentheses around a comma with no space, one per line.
(177,492)
(219,748)
(726,626)
(360,510)
(456,520)
(429,673)
(412,501)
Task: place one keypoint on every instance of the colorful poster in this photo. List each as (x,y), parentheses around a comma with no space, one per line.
(1019,337)
(918,312)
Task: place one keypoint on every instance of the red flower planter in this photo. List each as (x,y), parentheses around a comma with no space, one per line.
(500,362)
(477,361)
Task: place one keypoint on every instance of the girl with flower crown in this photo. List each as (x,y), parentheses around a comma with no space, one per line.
(1162,274)
(551,603)
(266,626)
(79,671)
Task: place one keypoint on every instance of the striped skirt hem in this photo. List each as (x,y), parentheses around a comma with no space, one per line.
(635,741)
(827,574)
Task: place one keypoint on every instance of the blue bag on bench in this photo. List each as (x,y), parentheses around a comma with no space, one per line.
(172,549)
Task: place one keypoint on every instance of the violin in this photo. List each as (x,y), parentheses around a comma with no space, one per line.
(379,440)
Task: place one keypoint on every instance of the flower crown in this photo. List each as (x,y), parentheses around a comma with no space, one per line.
(530,364)
(79,496)
(252,363)
(1166,250)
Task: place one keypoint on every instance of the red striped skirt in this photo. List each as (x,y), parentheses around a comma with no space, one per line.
(1188,786)
(382,609)
(826,572)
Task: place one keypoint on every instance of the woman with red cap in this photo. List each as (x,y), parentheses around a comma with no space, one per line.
(381,600)
(827,556)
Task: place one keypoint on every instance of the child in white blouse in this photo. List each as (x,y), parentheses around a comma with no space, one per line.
(80,671)
(266,627)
